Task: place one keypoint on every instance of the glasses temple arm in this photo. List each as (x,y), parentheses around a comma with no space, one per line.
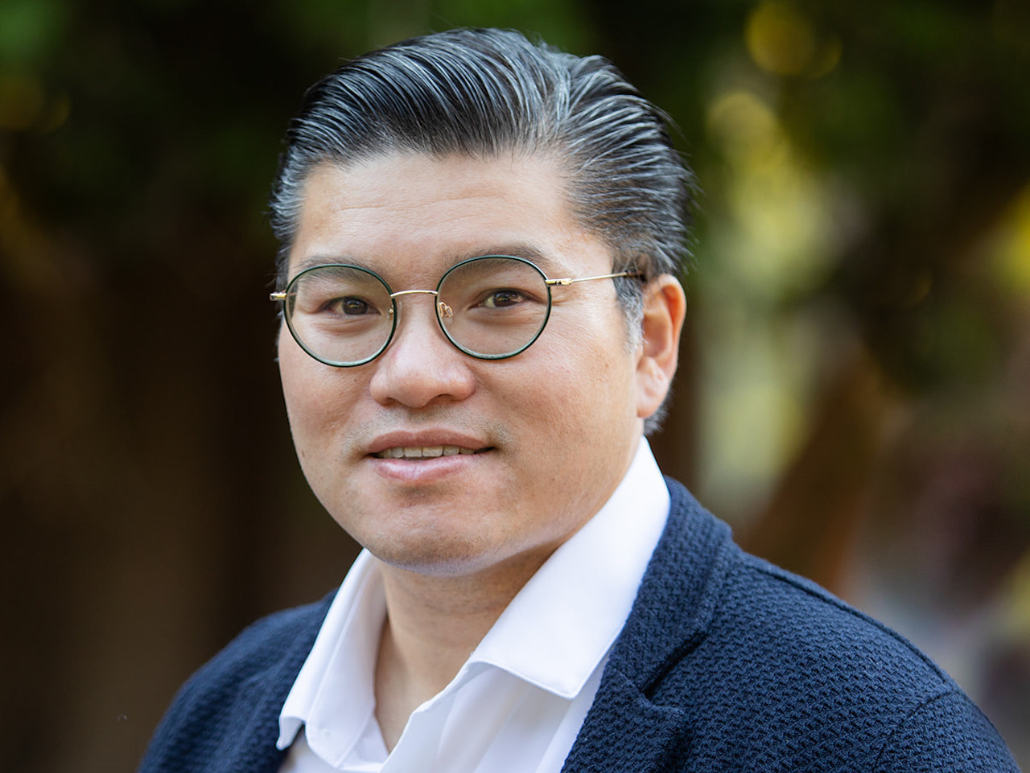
(565,281)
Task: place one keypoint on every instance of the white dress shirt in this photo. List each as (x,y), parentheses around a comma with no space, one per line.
(519,701)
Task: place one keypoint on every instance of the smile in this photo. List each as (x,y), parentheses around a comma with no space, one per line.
(424,452)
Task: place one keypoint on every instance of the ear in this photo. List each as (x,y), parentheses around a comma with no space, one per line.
(665,306)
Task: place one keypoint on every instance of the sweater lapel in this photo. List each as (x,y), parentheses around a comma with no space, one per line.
(625,729)
(625,732)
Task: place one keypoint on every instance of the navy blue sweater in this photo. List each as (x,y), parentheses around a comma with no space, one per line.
(726,663)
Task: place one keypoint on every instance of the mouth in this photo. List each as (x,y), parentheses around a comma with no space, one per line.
(426,452)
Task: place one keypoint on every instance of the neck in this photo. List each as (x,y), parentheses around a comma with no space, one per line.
(432,626)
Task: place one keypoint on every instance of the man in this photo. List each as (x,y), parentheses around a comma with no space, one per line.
(479,241)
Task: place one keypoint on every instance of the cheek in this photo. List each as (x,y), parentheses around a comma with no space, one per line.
(580,401)
(315,394)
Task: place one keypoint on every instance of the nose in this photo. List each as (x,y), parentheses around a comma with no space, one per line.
(420,367)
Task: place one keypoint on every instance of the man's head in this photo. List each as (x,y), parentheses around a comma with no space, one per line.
(481,93)
(410,164)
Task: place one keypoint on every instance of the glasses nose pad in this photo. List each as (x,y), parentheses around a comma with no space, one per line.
(445,310)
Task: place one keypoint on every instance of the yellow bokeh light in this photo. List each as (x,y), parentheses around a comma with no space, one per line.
(782,39)
(778,206)
(745,127)
(1013,255)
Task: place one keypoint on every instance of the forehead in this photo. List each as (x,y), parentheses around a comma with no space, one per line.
(415,213)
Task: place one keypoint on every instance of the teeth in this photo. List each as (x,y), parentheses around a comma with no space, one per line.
(423,452)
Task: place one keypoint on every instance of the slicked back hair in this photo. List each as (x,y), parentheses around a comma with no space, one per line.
(483,92)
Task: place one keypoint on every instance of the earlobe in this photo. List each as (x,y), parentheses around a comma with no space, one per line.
(665,306)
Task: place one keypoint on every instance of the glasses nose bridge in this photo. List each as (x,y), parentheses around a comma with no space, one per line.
(399,293)
(442,309)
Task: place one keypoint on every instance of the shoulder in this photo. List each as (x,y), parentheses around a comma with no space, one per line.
(754,606)
(796,638)
(815,679)
(237,695)
(765,666)
(795,616)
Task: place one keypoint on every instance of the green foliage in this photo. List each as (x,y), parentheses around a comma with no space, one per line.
(31,30)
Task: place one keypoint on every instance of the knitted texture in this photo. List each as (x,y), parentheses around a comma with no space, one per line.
(726,663)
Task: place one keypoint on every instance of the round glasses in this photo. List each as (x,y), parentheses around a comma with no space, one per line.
(490,307)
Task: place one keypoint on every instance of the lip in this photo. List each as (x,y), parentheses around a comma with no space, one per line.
(429,438)
(413,471)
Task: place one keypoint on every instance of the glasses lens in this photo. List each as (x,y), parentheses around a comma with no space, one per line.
(493,307)
(342,315)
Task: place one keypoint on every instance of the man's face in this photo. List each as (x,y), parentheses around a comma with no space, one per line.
(553,428)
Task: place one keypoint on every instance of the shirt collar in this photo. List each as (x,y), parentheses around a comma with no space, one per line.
(564,620)
(337,675)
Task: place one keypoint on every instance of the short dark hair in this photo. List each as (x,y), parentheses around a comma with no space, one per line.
(481,92)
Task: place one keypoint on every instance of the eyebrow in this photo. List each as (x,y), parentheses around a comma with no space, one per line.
(550,266)
(528,252)
(322,260)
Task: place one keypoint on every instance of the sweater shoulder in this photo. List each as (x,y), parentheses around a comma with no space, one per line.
(793,670)
(786,671)
(783,604)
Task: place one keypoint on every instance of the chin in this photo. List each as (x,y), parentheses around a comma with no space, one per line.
(433,556)
(464,558)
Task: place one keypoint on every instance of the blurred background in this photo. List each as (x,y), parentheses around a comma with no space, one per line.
(854,395)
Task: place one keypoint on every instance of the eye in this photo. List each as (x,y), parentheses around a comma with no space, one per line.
(499,299)
(350,306)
